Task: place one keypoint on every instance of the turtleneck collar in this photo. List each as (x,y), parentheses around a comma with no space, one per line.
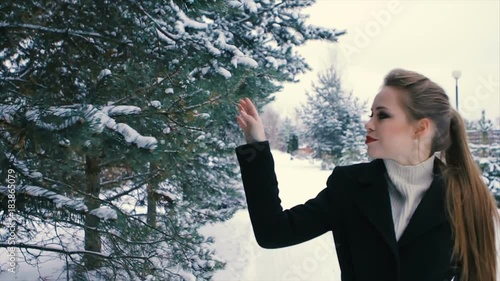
(413,175)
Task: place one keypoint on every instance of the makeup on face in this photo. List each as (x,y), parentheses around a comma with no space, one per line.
(370,139)
(382,113)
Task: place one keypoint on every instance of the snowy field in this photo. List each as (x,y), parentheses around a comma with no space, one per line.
(299,180)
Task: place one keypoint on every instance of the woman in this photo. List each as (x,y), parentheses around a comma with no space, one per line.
(405,215)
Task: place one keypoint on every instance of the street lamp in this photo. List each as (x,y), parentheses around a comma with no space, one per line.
(456,74)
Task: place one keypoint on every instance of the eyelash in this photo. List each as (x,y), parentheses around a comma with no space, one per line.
(381,115)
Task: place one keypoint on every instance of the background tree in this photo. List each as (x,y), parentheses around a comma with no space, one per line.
(469,125)
(272,125)
(484,126)
(487,156)
(114,118)
(354,150)
(287,129)
(332,120)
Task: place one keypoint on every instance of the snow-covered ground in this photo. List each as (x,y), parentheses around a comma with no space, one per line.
(299,180)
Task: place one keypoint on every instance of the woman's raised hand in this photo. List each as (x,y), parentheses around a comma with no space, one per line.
(250,122)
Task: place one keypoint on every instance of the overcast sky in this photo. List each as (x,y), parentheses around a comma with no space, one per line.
(430,37)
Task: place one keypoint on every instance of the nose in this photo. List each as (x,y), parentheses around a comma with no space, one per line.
(369,126)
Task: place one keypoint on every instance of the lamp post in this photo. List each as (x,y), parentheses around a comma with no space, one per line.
(456,74)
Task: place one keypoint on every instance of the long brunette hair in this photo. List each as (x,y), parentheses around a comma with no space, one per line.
(471,206)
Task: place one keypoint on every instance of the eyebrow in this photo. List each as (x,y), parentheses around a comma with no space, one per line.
(379,107)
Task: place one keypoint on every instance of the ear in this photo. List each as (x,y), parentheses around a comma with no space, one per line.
(423,127)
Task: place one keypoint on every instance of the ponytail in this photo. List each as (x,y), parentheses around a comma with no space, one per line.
(471,207)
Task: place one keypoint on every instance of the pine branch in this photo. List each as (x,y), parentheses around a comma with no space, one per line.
(260,13)
(68,31)
(139,185)
(62,251)
(189,108)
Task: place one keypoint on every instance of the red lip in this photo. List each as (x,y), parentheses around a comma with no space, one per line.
(369,139)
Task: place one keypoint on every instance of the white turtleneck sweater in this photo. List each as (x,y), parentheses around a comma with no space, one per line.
(407,186)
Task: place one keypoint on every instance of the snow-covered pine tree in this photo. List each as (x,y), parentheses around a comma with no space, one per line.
(484,126)
(117,120)
(287,129)
(272,125)
(490,168)
(354,150)
(487,156)
(332,120)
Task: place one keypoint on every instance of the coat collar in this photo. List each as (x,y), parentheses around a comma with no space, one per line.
(373,200)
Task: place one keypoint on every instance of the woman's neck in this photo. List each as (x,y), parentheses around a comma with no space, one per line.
(413,160)
(411,174)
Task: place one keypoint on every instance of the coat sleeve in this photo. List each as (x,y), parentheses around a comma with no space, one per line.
(274,227)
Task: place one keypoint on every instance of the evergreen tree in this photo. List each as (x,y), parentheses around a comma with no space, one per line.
(332,120)
(469,125)
(287,129)
(484,126)
(272,124)
(487,156)
(354,150)
(114,118)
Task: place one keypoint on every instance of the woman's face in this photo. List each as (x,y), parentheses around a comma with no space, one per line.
(389,133)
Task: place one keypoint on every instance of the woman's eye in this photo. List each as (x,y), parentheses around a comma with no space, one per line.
(382,115)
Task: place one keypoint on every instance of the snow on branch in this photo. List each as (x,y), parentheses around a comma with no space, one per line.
(58,199)
(163,37)
(68,112)
(186,20)
(7,112)
(103,73)
(211,49)
(239,57)
(132,135)
(100,119)
(224,72)
(104,213)
(250,5)
(22,167)
(244,60)
(114,110)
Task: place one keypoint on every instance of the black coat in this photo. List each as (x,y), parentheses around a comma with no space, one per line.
(355,206)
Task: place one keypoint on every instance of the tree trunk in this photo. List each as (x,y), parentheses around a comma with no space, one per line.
(152,197)
(484,141)
(92,238)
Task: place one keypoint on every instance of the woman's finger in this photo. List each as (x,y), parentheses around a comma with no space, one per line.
(243,106)
(246,117)
(243,103)
(251,109)
(241,122)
